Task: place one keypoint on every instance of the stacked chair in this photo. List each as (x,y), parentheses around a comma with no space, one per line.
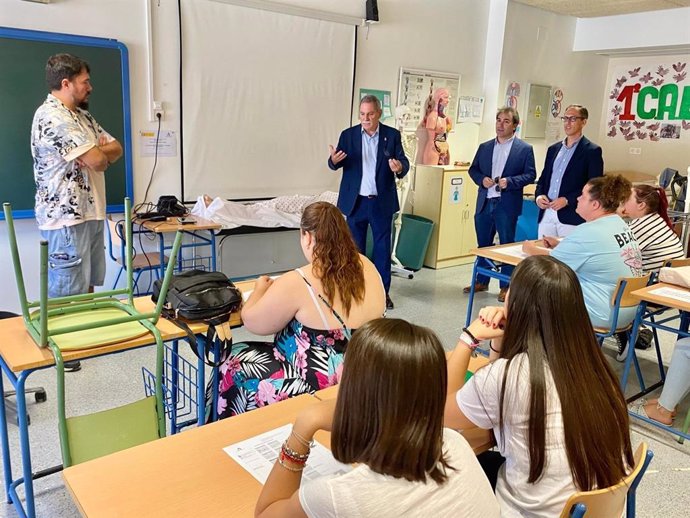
(91,320)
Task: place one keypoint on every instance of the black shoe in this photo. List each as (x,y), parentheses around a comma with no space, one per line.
(644,339)
(389,302)
(622,349)
(73,366)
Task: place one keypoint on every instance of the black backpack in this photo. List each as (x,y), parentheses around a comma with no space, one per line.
(199,296)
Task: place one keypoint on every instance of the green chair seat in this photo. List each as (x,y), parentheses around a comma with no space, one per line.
(95,337)
(94,435)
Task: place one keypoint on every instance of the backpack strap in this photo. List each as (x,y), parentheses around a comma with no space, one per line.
(211,336)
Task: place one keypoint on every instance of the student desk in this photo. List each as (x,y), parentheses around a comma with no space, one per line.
(187,474)
(486,263)
(202,230)
(20,356)
(480,440)
(649,317)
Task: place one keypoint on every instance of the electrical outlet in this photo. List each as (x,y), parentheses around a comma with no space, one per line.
(635,151)
(158,112)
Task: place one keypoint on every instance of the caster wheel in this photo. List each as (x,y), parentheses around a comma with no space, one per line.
(41,397)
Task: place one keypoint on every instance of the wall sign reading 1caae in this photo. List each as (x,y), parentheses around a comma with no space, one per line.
(668,102)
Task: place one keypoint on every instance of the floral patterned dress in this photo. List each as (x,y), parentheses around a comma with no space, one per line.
(300,360)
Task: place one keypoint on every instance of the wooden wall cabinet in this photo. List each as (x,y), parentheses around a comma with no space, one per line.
(448,197)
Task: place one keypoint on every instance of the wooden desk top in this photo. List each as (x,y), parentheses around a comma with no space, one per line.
(480,440)
(646,295)
(494,253)
(20,352)
(187,474)
(171,225)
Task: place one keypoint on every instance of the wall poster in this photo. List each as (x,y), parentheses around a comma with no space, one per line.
(650,102)
(415,86)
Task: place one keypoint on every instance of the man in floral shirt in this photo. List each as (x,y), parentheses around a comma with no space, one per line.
(71,153)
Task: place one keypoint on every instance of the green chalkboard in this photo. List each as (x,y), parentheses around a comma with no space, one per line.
(23,55)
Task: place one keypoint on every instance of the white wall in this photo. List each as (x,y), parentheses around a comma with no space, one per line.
(551,61)
(651,30)
(449,37)
(654,156)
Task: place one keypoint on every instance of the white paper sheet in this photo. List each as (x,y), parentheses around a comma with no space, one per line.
(672,293)
(516,251)
(258,454)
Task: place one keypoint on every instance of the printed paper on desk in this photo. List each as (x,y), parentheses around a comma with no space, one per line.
(258,455)
(672,293)
(515,251)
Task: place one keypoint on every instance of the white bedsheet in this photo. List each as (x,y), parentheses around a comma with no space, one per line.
(283,211)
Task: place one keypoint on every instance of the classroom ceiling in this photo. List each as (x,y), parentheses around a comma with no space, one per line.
(593,8)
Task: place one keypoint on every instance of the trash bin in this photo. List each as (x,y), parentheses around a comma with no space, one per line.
(415,234)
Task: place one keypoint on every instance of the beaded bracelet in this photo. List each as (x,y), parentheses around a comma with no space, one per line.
(308,444)
(285,466)
(293,454)
(286,456)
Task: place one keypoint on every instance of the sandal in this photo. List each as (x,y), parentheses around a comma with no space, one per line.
(639,409)
(656,402)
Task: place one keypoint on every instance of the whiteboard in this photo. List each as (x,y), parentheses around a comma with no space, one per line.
(264,93)
(415,86)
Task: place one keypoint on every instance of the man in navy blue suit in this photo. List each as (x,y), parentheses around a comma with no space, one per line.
(569,165)
(501,168)
(372,157)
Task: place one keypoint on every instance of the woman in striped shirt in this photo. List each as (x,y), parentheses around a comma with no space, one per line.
(648,209)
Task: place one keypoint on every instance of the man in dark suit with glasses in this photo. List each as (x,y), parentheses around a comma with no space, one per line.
(501,168)
(569,165)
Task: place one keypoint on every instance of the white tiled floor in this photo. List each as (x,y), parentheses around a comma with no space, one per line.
(432,298)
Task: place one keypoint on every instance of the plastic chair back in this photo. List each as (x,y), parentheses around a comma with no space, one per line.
(611,501)
(622,298)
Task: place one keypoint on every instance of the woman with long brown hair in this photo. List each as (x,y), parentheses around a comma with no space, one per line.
(312,311)
(388,418)
(555,406)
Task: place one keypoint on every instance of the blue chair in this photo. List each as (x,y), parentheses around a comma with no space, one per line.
(141,262)
(611,501)
(622,298)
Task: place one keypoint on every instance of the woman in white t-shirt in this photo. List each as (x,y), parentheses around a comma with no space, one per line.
(555,406)
(388,419)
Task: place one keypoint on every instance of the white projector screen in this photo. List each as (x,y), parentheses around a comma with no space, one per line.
(264,94)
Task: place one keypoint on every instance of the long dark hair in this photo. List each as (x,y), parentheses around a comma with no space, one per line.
(548,321)
(389,413)
(655,199)
(335,258)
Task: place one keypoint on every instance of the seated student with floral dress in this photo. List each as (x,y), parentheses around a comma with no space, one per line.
(312,311)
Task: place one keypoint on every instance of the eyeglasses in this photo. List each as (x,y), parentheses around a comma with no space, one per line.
(572,118)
